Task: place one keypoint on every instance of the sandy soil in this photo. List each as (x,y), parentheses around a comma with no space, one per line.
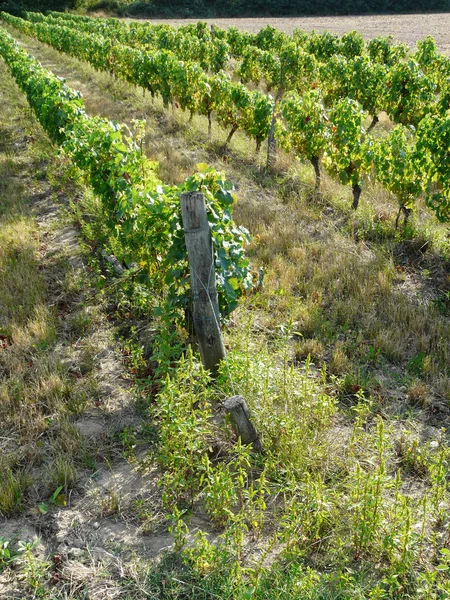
(404,28)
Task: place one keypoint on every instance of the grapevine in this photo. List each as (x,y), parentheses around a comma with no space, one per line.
(190,67)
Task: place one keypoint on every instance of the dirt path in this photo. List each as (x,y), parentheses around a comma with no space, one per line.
(98,522)
(404,28)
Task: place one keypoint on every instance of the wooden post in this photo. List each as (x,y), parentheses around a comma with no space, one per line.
(205,309)
(271,142)
(237,408)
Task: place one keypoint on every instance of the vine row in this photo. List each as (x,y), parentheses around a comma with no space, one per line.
(321,121)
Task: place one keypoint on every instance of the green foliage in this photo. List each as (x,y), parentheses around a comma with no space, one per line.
(233,269)
(257,65)
(317,506)
(304,127)
(183,414)
(394,159)
(191,43)
(383,51)
(351,44)
(432,158)
(56,499)
(410,93)
(367,500)
(219,493)
(348,153)
(12,488)
(435,65)
(367,84)
(343,518)
(185,84)
(322,45)
(6,554)
(270,38)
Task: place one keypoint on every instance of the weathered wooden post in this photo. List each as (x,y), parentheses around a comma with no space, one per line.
(271,142)
(205,309)
(237,408)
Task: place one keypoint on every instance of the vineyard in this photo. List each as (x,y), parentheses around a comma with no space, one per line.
(324,89)
(334,298)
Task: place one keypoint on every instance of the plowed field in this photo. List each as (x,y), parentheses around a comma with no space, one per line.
(404,28)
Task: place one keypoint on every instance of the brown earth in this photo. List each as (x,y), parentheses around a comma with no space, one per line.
(404,28)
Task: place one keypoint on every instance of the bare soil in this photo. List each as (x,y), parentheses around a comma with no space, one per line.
(403,28)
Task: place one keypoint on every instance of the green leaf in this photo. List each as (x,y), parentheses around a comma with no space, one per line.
(61,500)
(234,282)
(121,147)
(55,494)
(43,507)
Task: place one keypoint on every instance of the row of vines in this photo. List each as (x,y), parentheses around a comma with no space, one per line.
(313,93)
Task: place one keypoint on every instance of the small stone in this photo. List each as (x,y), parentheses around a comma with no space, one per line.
(75,553)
